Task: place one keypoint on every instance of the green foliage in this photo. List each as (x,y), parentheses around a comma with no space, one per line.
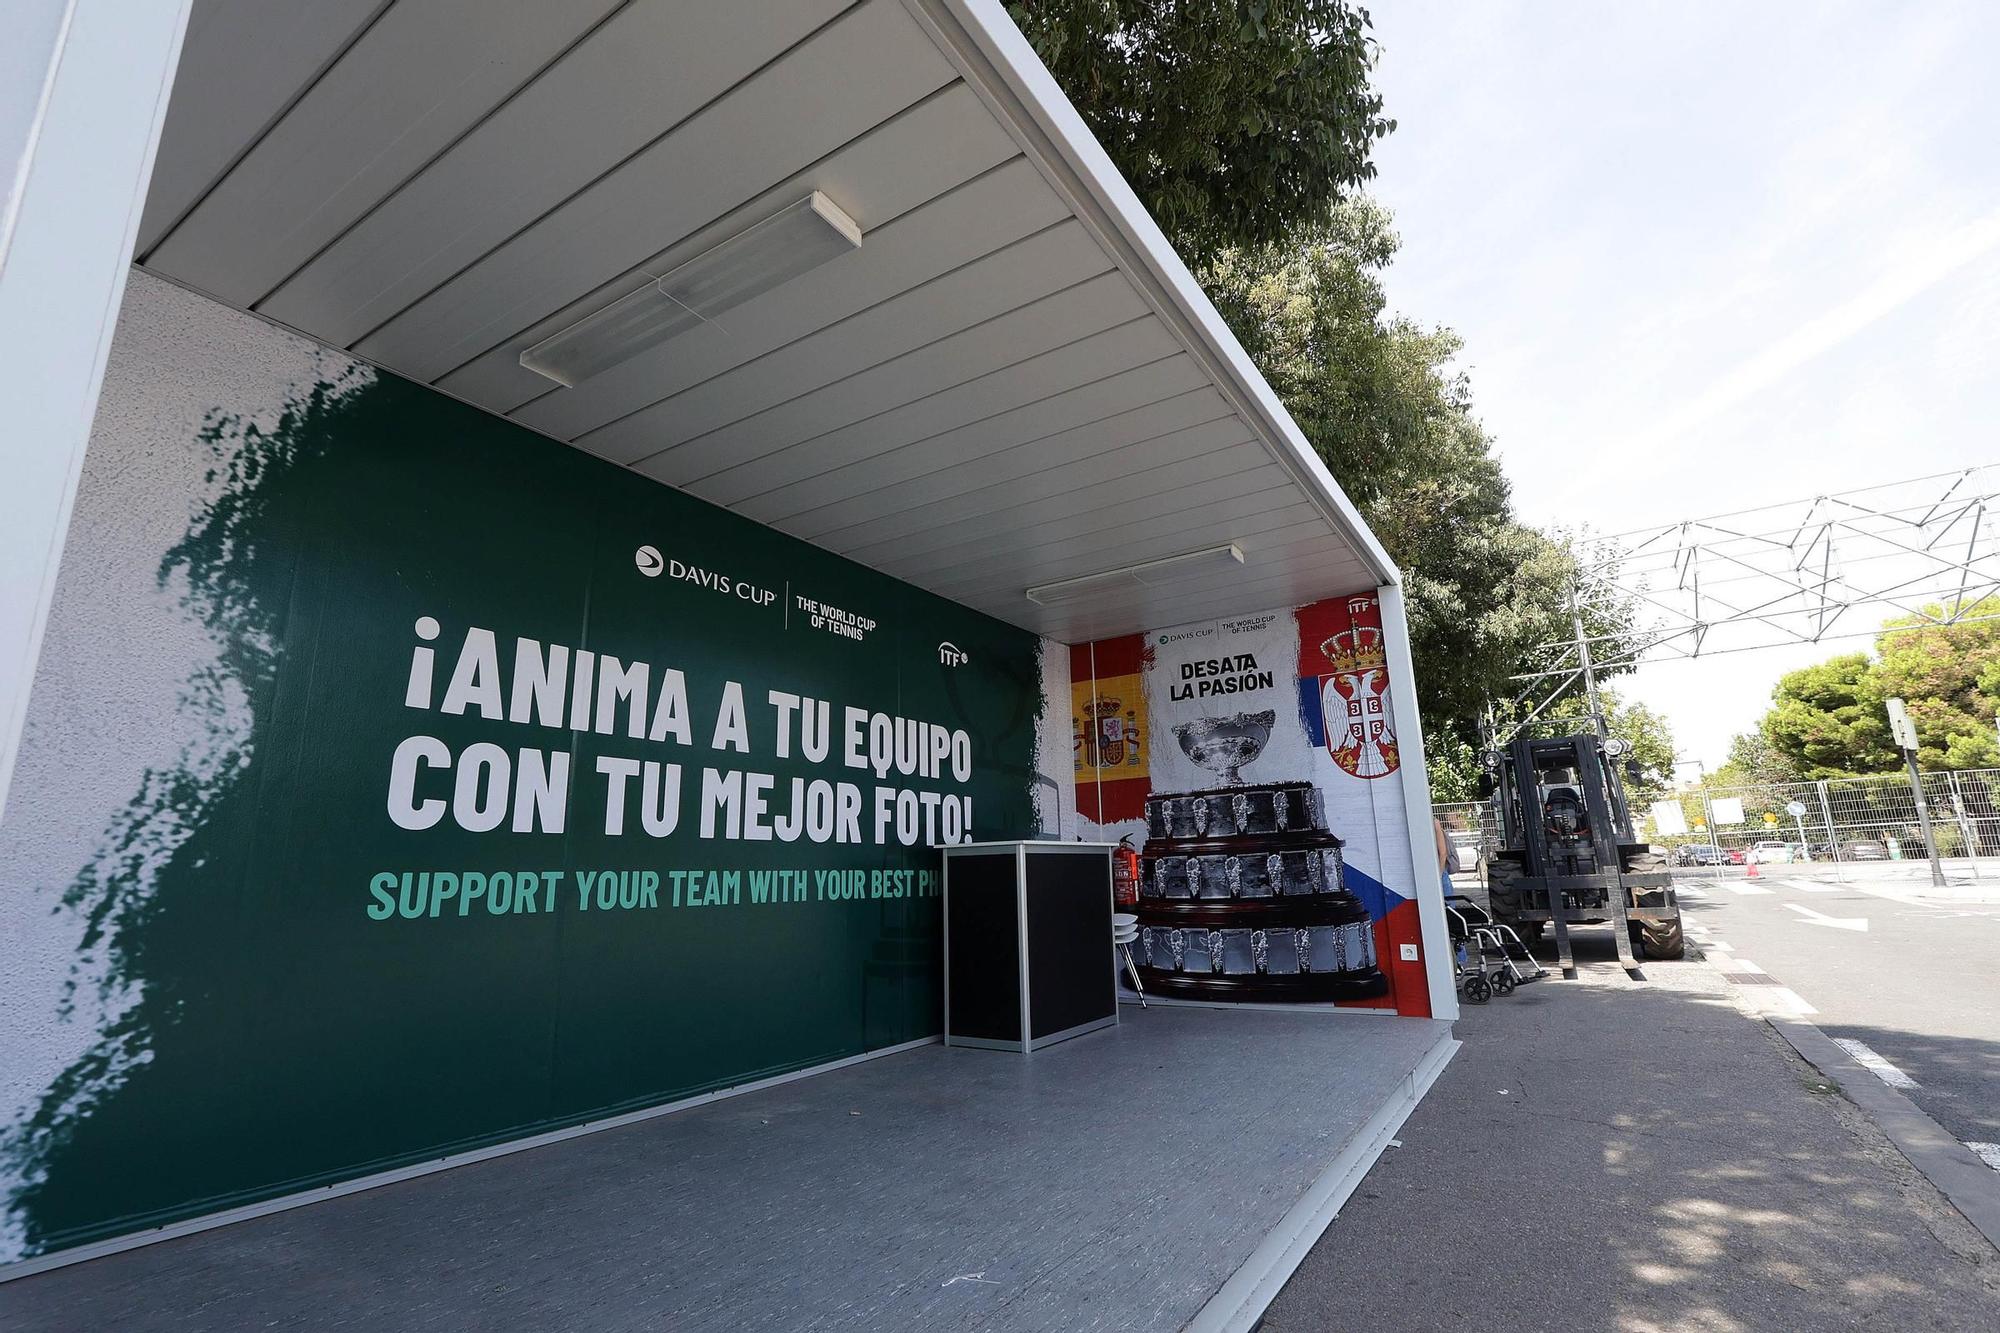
(1949,676)
(1453,765)
(1235,121)
(1752,761)
(1243,126)
(1652,748)
(1829,720)
(1377,398)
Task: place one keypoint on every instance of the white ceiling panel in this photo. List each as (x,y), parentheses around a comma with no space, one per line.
(613,97)
(1178,426)
(938,202)
(376,116)
(1279,569)
(1104,306)
(1131,609)
(1011,381)
(901,349)
(245,62)
(1150,538)
(1169,493)
(1269,557)
(704,171)
(998,412)
(929,414)
(1099,484)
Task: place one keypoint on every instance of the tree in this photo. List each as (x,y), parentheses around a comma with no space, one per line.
(1235,121)
(1244,126)
(1752,761)
(1652,742)
(1949,677)
(1829,720)
(1379,401)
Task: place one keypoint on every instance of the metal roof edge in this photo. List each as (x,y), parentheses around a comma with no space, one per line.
(1004,69)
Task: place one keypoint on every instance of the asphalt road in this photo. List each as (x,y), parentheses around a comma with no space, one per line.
(1641,1157)
(1875,960)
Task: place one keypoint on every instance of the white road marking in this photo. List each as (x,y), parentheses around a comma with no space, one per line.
(1810,886)
(1822,919)
(1875,1064)
(1760,998)
(1690,891)
(1790,1001)
(1747,888)
(1989,1153)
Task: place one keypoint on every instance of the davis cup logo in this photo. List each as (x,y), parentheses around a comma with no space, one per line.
(648,560)
(1355,694)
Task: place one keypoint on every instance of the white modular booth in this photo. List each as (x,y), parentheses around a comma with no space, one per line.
(528,525)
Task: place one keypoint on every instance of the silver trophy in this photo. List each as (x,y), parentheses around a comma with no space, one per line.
(1222,745)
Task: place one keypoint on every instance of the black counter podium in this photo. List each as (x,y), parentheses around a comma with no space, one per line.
(1027,943)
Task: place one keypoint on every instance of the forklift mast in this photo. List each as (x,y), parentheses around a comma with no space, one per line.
(1564,806)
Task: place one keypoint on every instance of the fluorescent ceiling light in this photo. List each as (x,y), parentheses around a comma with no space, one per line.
(1146,574)
(795,239)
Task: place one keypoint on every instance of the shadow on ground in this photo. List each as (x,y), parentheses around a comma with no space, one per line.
(1609,1154)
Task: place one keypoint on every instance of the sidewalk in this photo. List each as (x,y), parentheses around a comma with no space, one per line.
(1605,1154)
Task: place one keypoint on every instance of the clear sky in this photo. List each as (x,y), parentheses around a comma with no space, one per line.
(1704,255)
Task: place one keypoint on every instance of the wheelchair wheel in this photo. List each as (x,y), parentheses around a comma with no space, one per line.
(1477,989)
(1503,982)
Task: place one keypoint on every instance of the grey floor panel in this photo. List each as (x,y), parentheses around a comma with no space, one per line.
(1113,1182)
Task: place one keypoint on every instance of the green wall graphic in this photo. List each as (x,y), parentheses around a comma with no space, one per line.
(534,792)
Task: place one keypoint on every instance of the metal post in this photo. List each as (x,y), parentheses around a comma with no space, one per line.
(1708,818)
(1597,719)
(1964,828)
(1832,835)
(1924,816)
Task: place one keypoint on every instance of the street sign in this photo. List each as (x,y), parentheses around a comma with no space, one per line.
(1727,810)
(1901,729)
(1795,808)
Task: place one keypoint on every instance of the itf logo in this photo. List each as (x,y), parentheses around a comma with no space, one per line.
(951,655)
(648,560)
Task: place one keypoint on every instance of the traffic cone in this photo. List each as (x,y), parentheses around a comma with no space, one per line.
(1752,868)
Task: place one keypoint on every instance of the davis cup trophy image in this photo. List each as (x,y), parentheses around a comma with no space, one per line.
(1222,745)
(1240,892)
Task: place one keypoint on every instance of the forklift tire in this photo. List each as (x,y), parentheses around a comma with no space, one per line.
(1659,939)
(1503,888)
(1644,863)
(1503,982)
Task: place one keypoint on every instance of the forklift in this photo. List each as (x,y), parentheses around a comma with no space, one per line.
(1568,854)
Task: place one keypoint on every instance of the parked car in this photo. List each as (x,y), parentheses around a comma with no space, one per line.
(1769,854)
(1734,855)
(1864,849)
(1698,854)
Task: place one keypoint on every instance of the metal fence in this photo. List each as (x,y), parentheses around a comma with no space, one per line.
(1840,819)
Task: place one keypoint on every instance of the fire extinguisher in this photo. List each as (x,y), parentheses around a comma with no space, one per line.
(1125,874)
